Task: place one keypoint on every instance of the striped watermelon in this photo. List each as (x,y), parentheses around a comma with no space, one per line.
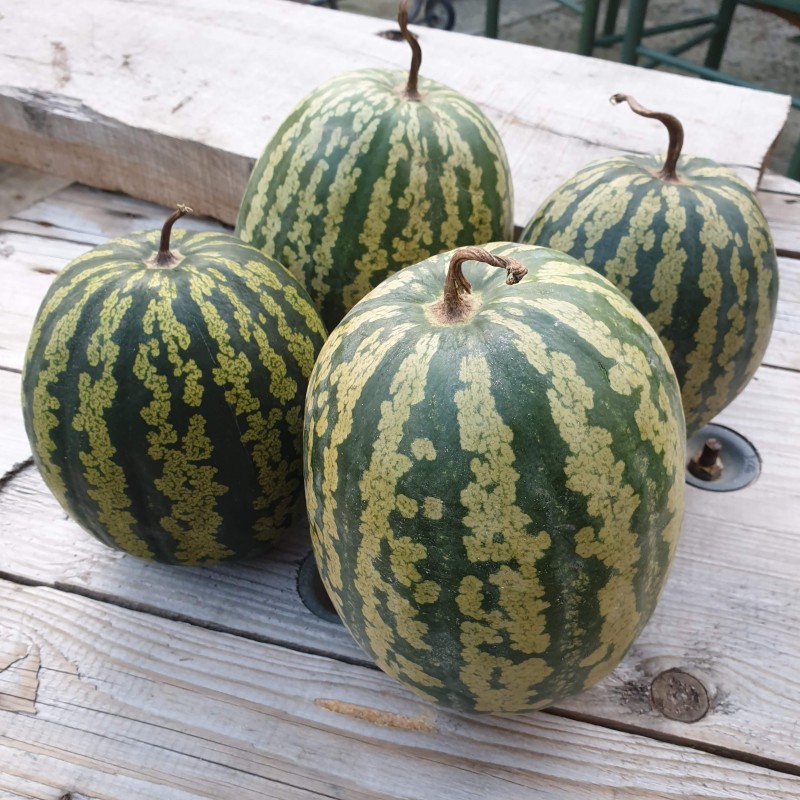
(687,242)
(162,394)
(374,170)
(494,482)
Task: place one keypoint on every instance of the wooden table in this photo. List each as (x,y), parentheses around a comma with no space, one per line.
(121,679)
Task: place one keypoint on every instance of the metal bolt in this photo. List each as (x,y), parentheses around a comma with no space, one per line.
(706,465)
(679,696)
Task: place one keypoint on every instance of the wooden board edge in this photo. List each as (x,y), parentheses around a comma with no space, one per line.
(64,137)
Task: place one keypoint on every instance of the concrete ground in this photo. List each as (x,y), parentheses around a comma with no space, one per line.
(762,47)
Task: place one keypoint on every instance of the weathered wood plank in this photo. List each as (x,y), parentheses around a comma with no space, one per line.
(38,242)
(21,187)
(124,704)
(257,599)
(780,199)
(92,94)
(784,344)
(81,215)
(13,443)
(728,616)
(27,269)
(260,600)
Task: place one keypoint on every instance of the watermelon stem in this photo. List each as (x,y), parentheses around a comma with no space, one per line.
(412,92)
(165,257)
(674,128)
(454,306)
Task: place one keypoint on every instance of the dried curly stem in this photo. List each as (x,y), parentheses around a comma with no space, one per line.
(454,307)
(165,257)
(412,92)
(674,128)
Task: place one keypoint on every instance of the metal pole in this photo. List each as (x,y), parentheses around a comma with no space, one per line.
(492,13)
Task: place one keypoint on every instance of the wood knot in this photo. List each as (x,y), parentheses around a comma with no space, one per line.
(680,696)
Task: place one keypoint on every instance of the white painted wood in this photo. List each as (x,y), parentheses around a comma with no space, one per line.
(128,705)
(178,108)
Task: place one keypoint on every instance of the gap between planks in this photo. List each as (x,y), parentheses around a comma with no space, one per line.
(759,421)
(775,765)
(139,607)
(77,127)
(109,599)
(171,698)
(610,724)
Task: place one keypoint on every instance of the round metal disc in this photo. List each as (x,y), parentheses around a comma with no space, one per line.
(740,461)
(312,591)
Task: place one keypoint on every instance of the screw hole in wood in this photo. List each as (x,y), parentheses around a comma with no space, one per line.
(312,591)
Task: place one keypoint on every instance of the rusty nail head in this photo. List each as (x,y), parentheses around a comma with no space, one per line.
(679,696)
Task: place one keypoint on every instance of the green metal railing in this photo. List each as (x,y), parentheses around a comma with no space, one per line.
(717,27)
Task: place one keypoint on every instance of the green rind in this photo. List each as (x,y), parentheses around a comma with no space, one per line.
(360,182)
(696,257)
(494,505)
(164,405)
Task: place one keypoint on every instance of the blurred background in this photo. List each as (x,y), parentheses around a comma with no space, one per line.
(762,47)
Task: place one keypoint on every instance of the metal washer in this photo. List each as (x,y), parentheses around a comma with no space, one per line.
(740,459)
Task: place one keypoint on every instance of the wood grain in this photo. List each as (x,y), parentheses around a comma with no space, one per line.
(728,616)
(128,705)
(38,242)
(780,199)
(693,628)
(91,94)
(22,187)
(784,344)
(14,447)
(83,215)
(41,240)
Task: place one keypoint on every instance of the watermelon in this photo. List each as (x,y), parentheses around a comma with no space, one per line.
(686,240)
(494,479)
(162,394)
(374,170)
